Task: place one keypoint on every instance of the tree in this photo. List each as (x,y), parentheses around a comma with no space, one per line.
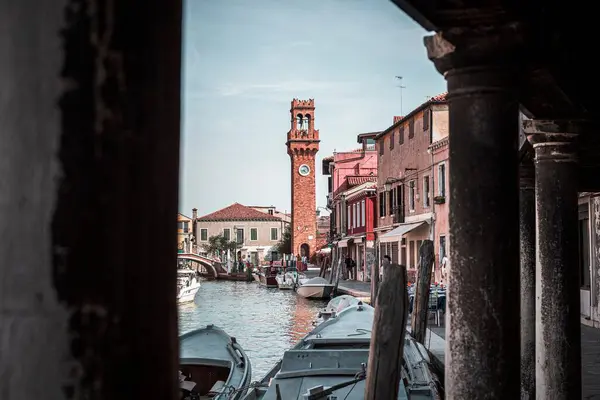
(284,246)
(218,245)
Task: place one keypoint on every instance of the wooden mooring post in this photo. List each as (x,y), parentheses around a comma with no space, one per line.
(387,339)
(421,301)
(375,275)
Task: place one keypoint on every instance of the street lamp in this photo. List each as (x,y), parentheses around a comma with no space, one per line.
(388,183)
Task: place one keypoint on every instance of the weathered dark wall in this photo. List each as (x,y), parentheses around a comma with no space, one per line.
(89,143)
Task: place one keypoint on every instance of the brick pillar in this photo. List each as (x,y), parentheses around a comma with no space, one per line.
(482,342)
(558,329)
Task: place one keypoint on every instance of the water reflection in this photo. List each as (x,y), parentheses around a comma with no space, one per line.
(266,322)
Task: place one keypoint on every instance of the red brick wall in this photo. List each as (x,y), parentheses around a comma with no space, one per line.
(302,148)
(303,204)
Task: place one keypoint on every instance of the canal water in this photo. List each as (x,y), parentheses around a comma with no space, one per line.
(266,322)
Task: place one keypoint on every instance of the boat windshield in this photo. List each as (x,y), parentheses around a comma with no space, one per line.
(341,302)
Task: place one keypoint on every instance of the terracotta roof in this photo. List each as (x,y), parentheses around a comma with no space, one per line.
(439,97)
(359,180)
(238,212)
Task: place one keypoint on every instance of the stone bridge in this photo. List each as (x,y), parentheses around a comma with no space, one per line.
(212,266)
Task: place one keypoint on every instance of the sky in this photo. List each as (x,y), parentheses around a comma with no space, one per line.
(244,64)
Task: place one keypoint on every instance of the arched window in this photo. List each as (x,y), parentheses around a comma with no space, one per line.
(299,121)
(306,122)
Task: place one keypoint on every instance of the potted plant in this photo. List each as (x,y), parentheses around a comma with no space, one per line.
(439,199)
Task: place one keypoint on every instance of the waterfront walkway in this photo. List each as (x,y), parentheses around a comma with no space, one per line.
(435,341)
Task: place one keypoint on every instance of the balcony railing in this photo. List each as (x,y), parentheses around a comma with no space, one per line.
(398,214)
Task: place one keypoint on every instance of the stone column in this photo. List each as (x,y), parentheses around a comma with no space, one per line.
(527,243)
(558,340)
(482,340)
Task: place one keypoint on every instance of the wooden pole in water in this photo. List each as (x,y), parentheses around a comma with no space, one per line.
(421,301)
(387,339)
(375,275)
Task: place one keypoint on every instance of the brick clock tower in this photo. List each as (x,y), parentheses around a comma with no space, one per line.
(303,144)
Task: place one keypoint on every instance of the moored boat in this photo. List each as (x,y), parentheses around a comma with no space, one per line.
(267,276)
(187,285)
(317,288)
(331,361)
(288,279)
(212,366)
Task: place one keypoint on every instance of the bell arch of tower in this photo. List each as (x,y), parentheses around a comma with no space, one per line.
(302,147)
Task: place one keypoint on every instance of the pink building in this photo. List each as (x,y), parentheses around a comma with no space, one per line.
(412,185)
(352,176)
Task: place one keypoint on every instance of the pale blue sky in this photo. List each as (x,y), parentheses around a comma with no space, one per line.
(244,61)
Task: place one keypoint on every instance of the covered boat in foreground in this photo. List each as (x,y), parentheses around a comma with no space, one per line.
(330,362)
(212,365)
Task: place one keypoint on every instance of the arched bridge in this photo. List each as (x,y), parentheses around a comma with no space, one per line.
(212,266)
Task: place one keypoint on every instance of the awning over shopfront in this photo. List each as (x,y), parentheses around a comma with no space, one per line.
(358,239)
(343,243)
(396,234)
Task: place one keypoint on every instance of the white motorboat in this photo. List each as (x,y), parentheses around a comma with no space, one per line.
(187,285)
(317,288)
(289,279)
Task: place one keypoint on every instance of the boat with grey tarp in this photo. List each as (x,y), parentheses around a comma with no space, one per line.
(330,362)
(212,365)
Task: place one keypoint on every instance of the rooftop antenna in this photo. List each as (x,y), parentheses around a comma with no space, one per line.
(401,87)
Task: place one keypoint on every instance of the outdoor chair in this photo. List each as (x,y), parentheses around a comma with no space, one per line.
(433,307)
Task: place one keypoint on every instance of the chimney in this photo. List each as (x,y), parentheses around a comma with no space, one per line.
(194,213)
(397,118)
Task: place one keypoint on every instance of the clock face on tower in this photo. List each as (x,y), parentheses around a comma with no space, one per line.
(304,170)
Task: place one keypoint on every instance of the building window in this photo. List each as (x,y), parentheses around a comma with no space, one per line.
(254,234)
(240,235)
(349,215)
(392,141)
(390,202)
(382,204)
(363,212)
(425,191)
(411,129)
(203,234)
(399,199)
(381,145)
(442,247)
(186,227)
(442,179)
(274,234)
(270,211)
(401,135)
(426,120)
(411,195)
(227,234)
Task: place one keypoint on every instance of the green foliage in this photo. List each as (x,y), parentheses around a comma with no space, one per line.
(285,243)
(218,246)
